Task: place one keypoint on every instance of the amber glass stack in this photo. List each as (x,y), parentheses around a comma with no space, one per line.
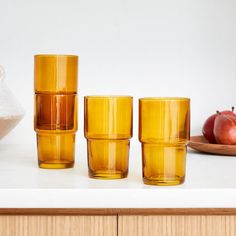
(55,120)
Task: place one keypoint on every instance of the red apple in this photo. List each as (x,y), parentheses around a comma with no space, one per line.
(225,129)
(208,126)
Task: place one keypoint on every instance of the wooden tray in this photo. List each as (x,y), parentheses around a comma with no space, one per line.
(200,144)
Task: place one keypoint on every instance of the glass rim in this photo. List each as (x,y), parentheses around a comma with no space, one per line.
(56,55)
(107,96)
(164,99)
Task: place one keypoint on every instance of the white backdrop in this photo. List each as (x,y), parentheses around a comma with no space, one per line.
(133,47)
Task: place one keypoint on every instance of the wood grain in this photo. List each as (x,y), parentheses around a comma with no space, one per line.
(199,143)
(177,225)
(58,225)
(117,211)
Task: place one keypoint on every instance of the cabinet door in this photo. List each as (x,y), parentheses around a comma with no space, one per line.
(58,225)
(177,225)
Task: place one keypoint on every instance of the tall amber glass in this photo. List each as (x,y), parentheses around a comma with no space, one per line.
(55,119)
(164,132)
(108,129)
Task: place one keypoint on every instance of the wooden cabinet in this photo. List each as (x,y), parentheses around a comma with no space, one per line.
(117,222)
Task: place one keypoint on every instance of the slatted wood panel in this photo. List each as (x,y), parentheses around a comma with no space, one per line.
(177,226)
(58,225)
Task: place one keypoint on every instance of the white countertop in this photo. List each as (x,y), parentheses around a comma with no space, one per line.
(210,182)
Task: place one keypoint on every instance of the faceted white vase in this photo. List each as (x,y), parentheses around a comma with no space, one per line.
(11,111)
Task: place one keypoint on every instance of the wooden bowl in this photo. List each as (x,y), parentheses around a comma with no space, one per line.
(200,144)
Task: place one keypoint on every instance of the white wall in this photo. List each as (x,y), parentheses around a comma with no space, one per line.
(140,48)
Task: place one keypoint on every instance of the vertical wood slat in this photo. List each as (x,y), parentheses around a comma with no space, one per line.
(177,225)
(58,225)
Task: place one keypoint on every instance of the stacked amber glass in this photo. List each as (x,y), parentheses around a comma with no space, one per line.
(55,121)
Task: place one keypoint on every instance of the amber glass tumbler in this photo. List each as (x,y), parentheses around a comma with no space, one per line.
(55,119)
(108,129)
(164,125)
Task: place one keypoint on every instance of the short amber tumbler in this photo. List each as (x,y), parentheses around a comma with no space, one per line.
(164,125)
(108,129)
(55,115)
